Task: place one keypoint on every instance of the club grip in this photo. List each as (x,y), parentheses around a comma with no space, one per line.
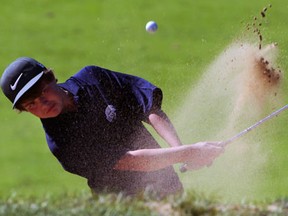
(183,168)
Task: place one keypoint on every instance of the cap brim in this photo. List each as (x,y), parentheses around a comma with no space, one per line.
(27,87)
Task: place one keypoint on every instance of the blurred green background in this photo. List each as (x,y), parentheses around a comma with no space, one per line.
(67,35)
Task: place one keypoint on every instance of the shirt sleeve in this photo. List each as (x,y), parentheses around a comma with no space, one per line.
(148,96)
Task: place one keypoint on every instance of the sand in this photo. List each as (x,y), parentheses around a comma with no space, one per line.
(242,86)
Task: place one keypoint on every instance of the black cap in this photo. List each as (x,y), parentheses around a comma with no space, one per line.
(20,76)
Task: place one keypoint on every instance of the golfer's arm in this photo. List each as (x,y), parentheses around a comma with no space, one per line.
(154,159)
(163,126)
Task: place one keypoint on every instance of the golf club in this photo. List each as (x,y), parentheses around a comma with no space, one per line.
(183,168)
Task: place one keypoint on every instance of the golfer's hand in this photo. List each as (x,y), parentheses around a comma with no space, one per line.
(205,154)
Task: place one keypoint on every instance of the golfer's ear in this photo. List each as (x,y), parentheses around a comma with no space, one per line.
(50,75)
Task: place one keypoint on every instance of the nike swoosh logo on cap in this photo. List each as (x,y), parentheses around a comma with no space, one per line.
(13,87)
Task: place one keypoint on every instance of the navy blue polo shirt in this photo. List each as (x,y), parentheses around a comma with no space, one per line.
(108,122)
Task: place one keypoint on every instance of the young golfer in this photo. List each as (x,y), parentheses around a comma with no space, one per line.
(94,126)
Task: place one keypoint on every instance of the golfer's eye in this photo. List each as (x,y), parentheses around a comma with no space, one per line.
(29,106)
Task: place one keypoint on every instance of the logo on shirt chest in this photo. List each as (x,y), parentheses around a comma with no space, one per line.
(110,113)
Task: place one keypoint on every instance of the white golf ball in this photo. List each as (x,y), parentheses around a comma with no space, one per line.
(151,27)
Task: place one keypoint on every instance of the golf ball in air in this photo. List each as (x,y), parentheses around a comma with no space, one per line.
(151,27)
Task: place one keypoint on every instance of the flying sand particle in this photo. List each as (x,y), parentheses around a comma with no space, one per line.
(262,14)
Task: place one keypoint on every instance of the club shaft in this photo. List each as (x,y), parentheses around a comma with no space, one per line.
(242,133)
(237,136)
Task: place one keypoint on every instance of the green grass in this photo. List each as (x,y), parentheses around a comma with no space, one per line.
(113,204)
(67,35)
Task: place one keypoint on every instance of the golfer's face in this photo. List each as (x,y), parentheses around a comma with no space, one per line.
(49,104)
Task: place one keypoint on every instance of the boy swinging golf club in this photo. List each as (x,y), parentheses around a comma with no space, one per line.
(93,124)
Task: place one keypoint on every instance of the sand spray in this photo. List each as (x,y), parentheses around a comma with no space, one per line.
(240,87)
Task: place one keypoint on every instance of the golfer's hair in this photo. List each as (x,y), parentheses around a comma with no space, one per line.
(36,90)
